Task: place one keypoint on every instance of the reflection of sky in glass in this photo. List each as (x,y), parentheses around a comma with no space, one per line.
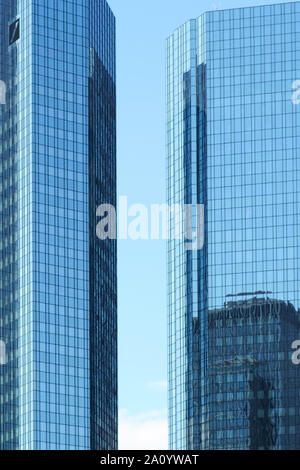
(253,164)
(54,305)
(45,250)
(247,174)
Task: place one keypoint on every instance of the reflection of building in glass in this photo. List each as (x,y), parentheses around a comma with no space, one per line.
(233,145)
(58,299)
(253,394)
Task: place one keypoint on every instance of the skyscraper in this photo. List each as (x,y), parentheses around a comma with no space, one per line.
(232,144)
(58,318)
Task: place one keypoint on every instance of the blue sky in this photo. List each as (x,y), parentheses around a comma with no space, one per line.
(142,28)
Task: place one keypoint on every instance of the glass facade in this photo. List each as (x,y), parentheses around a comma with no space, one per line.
(232,145)
(253,384)
(58,153)
(103,254)
(9,277)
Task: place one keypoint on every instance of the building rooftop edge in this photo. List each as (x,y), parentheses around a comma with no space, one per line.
(229,9)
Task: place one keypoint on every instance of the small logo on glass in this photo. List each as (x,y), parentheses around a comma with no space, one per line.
(14,31)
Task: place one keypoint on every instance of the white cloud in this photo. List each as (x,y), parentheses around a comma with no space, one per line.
(147,431)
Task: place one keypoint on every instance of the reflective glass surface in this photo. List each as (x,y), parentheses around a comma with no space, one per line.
(103,253)
(233,144)
(9,285)
(59,387)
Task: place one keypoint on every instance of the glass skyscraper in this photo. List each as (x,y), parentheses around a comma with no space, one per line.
(58,302)
(233,144)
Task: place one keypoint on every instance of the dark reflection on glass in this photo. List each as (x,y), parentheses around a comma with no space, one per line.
(103,254)
(9,279)
(195,156)
(251,376)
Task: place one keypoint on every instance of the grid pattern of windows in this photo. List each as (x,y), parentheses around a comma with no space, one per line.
(232,145)
(57,149)
(9,285)
(253,383)
(103,254)
(187,159)
(54,330)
